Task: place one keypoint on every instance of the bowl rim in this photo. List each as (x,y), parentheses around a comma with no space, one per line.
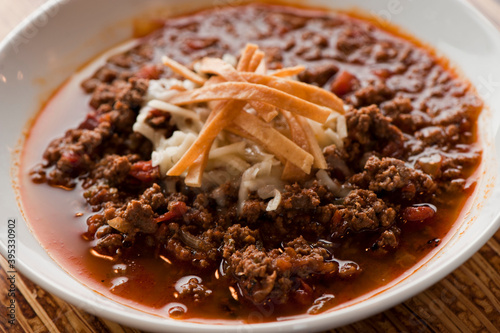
(308,323)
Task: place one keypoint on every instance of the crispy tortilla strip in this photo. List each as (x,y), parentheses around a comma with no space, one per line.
(315,149)
(274,142)
(265,111)
(289,71)
(183,70)
(195,171)
(297,134)
(257,58)
(214,80)
(296,131)
(226,71)
(253,92)
(207,135)
(262,68)
(250,60)
(301,90)
(246,57)
(214,105)
(194,176)
(237,130)
(221,68)
(292,173)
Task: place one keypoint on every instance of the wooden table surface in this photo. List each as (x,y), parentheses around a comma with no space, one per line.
(467,300)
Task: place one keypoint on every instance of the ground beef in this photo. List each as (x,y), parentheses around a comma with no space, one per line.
(178,251)
(113,168)
(136,216)
(299,198)
(128,92)
(140,215)
(237,237)
(74,154)
(372,94)
(252,210)
(336,160)
(387,242)
(194,290)
(108,129)
(200,216)
(353,39)
(263,275)
(393,175)
(363,210)
(318,75)
(404,115)
(109,244)
(154,197)
(370,129)
(201,251)
(225,195)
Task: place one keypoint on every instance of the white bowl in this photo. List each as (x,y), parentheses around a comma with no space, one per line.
(53,42)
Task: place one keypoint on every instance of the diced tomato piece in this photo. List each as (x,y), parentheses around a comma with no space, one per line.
(200,43)
(176,209)
(393,149)
(343,83)
(90,122)
(149,72)
(304,294)
(283,264)
(72,159)
(410,188)
(418,213)
(337,218)
(155,113)
(382,73)
(144,171)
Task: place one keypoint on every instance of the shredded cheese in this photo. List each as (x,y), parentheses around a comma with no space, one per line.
(173,109)
(169,151)
(163,89)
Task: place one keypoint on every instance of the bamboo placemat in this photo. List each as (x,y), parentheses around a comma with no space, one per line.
(467,300)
